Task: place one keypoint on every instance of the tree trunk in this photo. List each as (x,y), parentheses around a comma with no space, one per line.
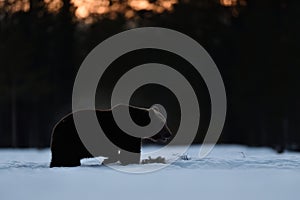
(14,142)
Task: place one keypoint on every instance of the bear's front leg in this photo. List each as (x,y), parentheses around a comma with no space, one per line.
(110,160)
(112,157)
(65,160)
(127,158)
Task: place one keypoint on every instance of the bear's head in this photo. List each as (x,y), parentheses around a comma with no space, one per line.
(143,116)
(164,134)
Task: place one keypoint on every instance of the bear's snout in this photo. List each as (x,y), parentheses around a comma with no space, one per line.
(162,136)
(166,135)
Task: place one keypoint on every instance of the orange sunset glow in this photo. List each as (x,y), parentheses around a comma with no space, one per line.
(228,2)
(89,10)
(86,8)
(54,6)
(13,6)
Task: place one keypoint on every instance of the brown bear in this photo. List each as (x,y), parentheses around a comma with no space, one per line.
(67,149)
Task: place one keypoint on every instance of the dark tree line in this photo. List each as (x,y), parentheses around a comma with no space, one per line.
(254,43)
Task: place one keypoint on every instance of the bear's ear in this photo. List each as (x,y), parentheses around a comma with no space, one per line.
(155,108)
(155,111)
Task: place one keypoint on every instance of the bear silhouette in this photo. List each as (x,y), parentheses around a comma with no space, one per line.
(67,148)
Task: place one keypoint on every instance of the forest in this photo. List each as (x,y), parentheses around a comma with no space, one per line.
(254,43)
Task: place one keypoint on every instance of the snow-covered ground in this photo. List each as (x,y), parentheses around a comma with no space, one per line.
(229,172)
